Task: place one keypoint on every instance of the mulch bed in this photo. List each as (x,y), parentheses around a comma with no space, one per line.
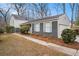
(57,41)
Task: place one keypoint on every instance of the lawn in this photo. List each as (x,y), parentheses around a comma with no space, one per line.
(12,45)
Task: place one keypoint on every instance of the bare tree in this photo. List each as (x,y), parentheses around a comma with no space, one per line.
(41,9)
(57,7)
(72,6)
(19,7)
(4,13)
(63,7)
(77,11)
(77,15)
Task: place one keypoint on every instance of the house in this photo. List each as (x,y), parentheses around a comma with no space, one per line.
(2,22)
(16,21)
(50,26)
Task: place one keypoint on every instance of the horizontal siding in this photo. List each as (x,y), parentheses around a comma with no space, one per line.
(63,23)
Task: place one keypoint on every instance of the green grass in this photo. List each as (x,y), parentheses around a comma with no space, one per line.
(12,45)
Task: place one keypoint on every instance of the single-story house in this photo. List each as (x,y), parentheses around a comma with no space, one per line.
(50,26)
(16,21)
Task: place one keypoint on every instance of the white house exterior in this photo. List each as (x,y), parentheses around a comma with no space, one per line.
(16,21)
(63,23)
(50,26)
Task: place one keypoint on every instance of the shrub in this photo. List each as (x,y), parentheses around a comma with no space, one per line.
(25,28)
(1,30)
(9,29)
(68,35)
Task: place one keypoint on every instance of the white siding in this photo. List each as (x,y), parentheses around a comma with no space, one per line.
(47,27)
(63,23)
(37,27)
(64,20)
(61,28)
(12,21)
(16,23)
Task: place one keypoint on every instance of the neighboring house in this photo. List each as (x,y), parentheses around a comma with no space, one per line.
(50,26)
(2,22)
(16,21)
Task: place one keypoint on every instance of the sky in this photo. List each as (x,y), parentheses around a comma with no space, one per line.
(68,10)
(51,5)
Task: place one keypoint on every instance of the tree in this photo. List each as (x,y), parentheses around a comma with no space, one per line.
(4,13)
(72,6)
(30,12)
(63,7)
(77,15)
(41,9)
(56,7)
(20,8)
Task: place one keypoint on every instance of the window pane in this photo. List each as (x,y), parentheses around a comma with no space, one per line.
(47,27)
(37,27)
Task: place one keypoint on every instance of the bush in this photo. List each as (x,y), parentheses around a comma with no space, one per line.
(1,30)
(68,35)
(25,28)
(9,29)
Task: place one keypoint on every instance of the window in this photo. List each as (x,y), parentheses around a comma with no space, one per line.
(37,27)
(47,27)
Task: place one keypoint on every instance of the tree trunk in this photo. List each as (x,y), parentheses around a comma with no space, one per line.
(64,8)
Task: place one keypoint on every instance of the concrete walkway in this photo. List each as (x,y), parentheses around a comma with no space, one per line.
(63,49)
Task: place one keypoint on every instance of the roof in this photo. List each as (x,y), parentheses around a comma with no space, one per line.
(47,18)
(18,17)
